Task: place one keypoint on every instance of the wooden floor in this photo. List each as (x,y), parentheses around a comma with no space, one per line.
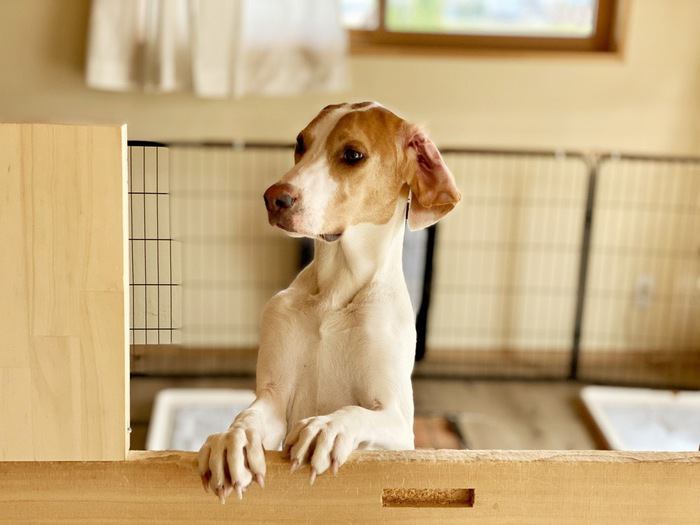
(487,414)
(509,415)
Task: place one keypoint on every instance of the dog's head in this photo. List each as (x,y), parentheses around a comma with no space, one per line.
(353,164)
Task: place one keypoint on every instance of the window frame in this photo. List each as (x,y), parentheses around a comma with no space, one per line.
(603,39)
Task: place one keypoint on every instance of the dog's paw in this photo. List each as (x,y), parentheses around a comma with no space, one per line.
(322,441)
(231,460)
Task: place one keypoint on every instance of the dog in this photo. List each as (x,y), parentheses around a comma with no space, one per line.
(337,347)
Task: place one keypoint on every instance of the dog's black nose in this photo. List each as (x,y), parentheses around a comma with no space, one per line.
(280,197)
(284,201)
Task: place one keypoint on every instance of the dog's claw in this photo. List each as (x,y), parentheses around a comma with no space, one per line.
(221,495)
(334,467)
(205,483)
(260,480)
(312,478)
(295,465)
(239,490)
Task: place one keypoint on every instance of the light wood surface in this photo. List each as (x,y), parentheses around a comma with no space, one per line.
(63,361)
(509,487)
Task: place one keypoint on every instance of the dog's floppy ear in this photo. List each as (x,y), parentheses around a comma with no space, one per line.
(433,189)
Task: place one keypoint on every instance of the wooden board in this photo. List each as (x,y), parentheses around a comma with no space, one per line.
(63,361)
(172,360)
(508,487)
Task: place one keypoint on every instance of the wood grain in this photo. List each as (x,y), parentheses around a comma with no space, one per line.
(509,487)
(63,362)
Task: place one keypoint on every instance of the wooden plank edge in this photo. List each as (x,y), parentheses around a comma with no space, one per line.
(423,486)
(456,456)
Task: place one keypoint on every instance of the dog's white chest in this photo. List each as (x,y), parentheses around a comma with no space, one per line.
(327,363)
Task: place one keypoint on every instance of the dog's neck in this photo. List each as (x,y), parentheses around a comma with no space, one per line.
(365,253)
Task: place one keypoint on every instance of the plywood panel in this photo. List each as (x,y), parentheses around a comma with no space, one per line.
(15,383)
(63,367)
(14,302)
(509,487)
(56,396)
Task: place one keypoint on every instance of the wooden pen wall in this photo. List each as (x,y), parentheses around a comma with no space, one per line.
(63,360)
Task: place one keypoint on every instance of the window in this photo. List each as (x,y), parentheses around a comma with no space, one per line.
(580,25)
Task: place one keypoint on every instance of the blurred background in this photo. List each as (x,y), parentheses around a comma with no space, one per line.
(557,308)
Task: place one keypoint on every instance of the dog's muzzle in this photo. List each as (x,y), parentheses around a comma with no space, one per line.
(281,201)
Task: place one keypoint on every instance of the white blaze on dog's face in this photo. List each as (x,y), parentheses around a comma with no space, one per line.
(353,163)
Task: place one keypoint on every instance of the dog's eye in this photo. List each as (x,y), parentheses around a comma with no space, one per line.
(352,156)
(300,147)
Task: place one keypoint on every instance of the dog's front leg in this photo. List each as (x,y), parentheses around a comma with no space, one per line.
(230,461)
(327,441)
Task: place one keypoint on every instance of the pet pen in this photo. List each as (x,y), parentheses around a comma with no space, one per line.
(65,450)
(556,265)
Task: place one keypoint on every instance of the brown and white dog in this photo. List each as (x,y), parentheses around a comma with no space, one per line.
(337,346)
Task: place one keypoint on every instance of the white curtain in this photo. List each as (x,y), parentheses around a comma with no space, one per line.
(217,48)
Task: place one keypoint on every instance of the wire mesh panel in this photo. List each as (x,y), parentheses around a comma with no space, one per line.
(515,266)
(227,261)
(642,312)
(232,260)
(154,274)
(506,266)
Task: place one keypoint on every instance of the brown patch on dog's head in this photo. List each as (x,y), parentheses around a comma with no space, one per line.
(354,163)
(368,188)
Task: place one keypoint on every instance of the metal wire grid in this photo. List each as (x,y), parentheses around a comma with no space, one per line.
(510,297)
(506,265)
(642,311)
(153,269)
(232,261)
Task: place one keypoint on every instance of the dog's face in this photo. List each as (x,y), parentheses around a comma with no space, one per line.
(353,163)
